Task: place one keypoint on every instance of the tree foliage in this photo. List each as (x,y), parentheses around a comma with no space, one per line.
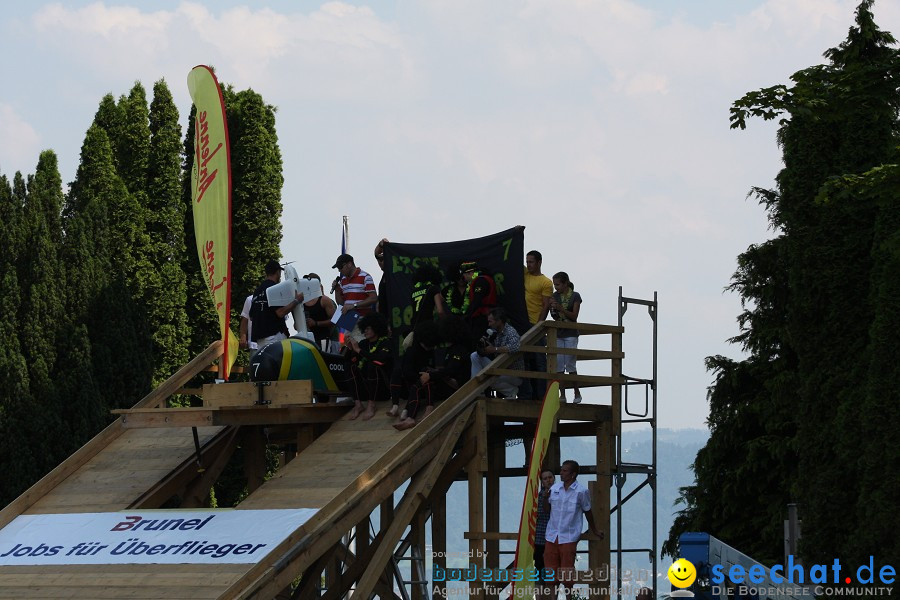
(794,422)
(94,295)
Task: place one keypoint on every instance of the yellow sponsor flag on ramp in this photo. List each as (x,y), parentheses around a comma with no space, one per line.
(524,587)
(211,198)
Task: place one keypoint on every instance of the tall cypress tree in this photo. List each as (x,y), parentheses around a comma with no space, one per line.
(132,146)
(106,244)
(166,286)
(15,398)
(42,313)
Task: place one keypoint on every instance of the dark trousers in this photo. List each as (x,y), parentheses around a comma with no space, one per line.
(535,361)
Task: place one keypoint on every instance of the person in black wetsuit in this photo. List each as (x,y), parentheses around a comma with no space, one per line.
(418,359)
(435,384)
(370,365)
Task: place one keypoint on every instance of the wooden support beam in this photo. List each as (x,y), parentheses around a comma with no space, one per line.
(419,489)
(616,391)
(417,553)
(579,353)
(514,410)
(481,428)
(590,328)
(489,535)
(512,431)
(599,551)
(497,455)
(249,394)
(187,474)
(311,581)
(236,415)
(253,442)
(355,568)
(196,495)
(476,521)
(158,396)
(581,380)
(439,539)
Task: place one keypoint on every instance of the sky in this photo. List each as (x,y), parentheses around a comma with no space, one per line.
(601,126)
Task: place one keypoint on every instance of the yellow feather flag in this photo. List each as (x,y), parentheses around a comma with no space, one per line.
(524,587)
(211,198)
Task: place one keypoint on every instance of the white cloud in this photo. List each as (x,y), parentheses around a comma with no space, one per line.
(20,144)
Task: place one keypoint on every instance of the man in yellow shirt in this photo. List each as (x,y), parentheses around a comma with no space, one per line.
(538,293)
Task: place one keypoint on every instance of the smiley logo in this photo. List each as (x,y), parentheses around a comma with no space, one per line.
(682,573)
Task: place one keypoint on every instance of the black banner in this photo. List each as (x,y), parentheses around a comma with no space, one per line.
(501,255)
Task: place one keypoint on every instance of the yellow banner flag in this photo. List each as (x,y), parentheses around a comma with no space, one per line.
(524,588)
(211,198)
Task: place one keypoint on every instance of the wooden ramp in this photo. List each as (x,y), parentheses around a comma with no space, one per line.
(345,473)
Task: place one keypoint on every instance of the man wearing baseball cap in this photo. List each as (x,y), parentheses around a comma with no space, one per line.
(268,321)
(354,290)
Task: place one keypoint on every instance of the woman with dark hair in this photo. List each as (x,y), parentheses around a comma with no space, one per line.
(370,364)
(564,306)
(318,318)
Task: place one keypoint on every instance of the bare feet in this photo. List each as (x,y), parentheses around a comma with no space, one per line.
(395,409)
(429,410)
(357,410)
(370,411)
(406,423)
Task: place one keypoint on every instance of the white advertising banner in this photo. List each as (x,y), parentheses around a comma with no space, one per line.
(148,536)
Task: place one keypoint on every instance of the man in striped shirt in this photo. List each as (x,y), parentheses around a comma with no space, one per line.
(355,291)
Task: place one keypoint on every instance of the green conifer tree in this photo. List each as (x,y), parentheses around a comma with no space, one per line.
(107,245)
(165,286)
(15,397)
(41,316)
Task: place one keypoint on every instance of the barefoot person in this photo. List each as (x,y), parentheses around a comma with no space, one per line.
(435,384)
(370,365)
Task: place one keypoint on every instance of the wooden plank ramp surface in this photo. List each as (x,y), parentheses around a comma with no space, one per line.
(346,473)
(331,463)
(138,458)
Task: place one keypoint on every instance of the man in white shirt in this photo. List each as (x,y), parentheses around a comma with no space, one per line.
(568,501)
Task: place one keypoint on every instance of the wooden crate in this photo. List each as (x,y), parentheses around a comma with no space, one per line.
(216,395)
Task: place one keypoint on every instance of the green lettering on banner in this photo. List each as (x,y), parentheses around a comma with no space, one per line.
(506,244)
(399,264)
(408,265)
(498,281)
